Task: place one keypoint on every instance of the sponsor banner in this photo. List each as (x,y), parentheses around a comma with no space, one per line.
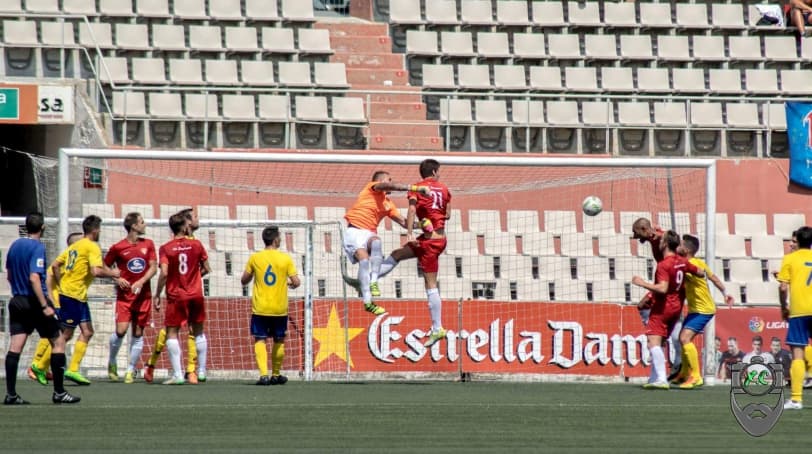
(744,323)
(55,104)
(18,103)
(497,337)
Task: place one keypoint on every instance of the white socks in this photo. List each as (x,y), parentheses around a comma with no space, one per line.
(202,346)
(375,259)
(173,347)
(135,352)
(363,280)
(115,345)
(435,308)
(658,364)
(388,264)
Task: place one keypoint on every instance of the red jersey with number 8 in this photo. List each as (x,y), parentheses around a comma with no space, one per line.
(673,269)
(184,258)
(432,206)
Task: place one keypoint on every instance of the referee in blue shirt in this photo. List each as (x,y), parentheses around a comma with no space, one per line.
(30,310)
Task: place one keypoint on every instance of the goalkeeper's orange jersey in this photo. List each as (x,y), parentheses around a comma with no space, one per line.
(370,207)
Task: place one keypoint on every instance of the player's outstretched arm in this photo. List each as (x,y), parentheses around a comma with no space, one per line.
(719,285)
(104,271)
(659,287)
(386,186)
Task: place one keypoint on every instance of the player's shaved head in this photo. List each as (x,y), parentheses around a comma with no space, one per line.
(804,236)
(73,237)
(380,175)
(428,168)
(642,229)
(690,243)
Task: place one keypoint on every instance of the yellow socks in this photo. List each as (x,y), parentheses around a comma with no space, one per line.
(261,354)
(796,375)
(691,356)
(79,353)
(160,344)
(277,355)
(42,356)
(192,357)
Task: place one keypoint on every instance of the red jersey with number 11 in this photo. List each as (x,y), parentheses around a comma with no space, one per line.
(432,206)
(183,257)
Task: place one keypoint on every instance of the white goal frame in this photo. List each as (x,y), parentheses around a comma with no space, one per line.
(66,154)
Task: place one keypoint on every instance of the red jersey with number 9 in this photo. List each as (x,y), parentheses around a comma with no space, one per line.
(432,206)
(673,269)
(183,257)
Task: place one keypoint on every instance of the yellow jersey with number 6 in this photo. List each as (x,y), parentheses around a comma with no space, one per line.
(271,269)
(78,261)
(796,270)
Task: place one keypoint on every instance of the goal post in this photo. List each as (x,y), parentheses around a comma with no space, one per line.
(522,259)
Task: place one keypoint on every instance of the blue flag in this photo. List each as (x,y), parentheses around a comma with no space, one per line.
(799,132)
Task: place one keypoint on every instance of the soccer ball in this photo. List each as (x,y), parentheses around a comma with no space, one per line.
(592,205)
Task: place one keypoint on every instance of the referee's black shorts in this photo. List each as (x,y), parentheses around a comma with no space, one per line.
(26,315)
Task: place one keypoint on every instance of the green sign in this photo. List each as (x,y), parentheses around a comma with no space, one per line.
(9,103)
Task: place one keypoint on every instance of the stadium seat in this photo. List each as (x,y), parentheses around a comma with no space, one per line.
(761,292)
(538,243)
(688,80)
(456,115)
(238,107)
(780,49)
(761,81)
(785,224)
(241,39)
(500,243)
(742,115)
(190,9)
(636,47)
(725,81)
(743,270)
(56,33)
(529,46)
(600,47)
(545,78)
(669,114)
(132,37)
(568,290)
(169,37)
(219,212)
(744,48)
(257,73)
(691,16)
(328,214)
(681,222)
(405,12)
(581,79)
(750,224)
(709,48)
(42,6)
(618,80)
(96,34)
(603,222)
(297,11)
(278,40)
(483,221)
(186,71)
(511,14)
(493,45)
(806,49)
(584,14)
(652,80)
(673,48)
(116,8)
(575,244)
(548,14)
(421,43)
(796,82)
(655,15)
(767,246)
(199,106)
(612,245)
(205,38)
(441,12)
(473,77)
(274,115)
(509,77)
(149,70)
(706,115)
(79,7)
(634,114)
(456,44)
(593,269)
(730,246)
(628,267)
(610,291)
(168,210)
(476,12)
(102,210)
(727,17)
(567,46)
(291,213)
(556,267)
(221,72)
(314,41)
(619,15)
(311,115)
(491,121)
(330,75)
(129,104)
(294,74)
(462,244)
(720,224)
(252,213)
(559,222)
(261,10)
(152,8)
(775,116)
(562,113)
(225,10)
(146,210)
(522,221)
(438,77)
(349,117)
(597,116)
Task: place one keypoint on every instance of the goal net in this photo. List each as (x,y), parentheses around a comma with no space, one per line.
(532,288)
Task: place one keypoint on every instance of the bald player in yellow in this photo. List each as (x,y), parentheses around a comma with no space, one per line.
(273,272)
(41,364)
(701,309)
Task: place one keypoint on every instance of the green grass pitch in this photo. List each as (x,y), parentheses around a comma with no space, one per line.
(387,417)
